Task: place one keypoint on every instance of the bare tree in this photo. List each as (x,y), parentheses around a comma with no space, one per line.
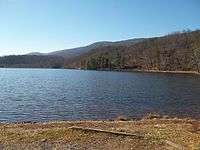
(196,58)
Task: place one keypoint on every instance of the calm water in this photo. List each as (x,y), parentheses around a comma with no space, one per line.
(44,94)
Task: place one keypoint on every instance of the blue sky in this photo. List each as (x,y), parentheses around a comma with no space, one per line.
(48,25)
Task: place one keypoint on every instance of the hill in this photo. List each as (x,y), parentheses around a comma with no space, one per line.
(36,54)
(55,59)
(74,52)
(31,61)
(179,51)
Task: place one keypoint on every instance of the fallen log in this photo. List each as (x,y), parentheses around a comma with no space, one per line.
(106,131)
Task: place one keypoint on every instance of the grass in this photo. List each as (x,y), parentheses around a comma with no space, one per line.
(157,133)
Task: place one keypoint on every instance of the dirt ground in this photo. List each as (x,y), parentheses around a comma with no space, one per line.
(156,133)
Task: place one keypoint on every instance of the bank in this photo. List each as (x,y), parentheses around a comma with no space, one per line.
(147,133)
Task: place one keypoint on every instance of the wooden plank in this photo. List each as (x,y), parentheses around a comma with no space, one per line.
(106,131)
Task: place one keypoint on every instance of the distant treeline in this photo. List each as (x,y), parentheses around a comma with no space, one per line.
(179,51)
(31,61)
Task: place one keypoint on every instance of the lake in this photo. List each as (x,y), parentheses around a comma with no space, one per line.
(62,94)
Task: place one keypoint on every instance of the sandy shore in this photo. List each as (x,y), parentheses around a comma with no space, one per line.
(157,133)
(160,71)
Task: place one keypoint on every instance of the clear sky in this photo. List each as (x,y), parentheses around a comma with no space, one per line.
(48,25)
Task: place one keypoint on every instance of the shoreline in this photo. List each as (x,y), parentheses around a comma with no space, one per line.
(150,71)
(147,133)
(173,72)
(141,71)
(115,70)
(120,118)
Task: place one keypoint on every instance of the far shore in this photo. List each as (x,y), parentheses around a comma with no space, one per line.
(148,71)
(117,70)
(175,72)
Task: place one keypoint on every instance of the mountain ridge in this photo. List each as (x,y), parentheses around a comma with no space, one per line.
(179,51)
(74,52)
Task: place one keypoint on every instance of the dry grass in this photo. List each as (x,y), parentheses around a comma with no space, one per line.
(156,133)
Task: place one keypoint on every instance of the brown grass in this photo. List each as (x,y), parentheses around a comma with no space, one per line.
(156,133)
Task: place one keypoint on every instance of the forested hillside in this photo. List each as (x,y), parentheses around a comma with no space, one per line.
(179,51)
(28,61)
(75,52)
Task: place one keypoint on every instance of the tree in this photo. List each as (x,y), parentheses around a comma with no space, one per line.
(196,58)
(92,64)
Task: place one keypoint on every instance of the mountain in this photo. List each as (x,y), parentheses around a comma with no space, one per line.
(179,51)
(74,52)
(36,54)
(56,59)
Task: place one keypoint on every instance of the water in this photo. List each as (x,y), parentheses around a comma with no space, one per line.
(48,94)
